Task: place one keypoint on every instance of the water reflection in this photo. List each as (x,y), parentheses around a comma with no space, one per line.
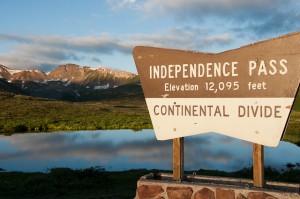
(125,149)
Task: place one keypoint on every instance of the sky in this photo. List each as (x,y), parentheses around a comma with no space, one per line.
(37,34)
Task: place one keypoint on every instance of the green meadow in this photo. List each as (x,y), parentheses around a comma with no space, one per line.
(20,114)
(65,183)
(24,114)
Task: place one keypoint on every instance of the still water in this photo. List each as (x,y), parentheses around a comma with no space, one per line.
(118,150)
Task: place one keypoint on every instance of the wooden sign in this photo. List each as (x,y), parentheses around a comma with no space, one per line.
(246,93)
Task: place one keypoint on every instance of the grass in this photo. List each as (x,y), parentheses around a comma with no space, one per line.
(291,175)
(27,114)
(21,114)
(293,130)
(96,183)
(70,184)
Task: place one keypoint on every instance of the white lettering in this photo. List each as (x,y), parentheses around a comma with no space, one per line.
(282,64)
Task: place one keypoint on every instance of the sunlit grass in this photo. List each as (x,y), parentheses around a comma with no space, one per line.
(21,114)
(293,130)
(27,114)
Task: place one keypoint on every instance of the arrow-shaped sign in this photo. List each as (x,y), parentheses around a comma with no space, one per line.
(246,93)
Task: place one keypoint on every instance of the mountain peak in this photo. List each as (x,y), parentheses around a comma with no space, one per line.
(70,82)
(73,72)
(29,75)
(4,72)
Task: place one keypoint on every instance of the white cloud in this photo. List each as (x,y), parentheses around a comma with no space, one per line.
(205,25)
(257,18)
(44,51)
(120,4)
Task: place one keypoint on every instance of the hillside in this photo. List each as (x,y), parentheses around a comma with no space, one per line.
(68,82)
(296,106)
(109,99)
(21,113)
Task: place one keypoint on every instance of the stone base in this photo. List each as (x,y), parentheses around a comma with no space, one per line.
(161,186)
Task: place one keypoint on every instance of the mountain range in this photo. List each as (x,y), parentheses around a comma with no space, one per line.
(70,82)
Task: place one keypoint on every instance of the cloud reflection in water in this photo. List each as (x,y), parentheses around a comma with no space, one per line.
(125,149)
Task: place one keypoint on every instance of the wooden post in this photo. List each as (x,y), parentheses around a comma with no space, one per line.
(258,165)
(178,158)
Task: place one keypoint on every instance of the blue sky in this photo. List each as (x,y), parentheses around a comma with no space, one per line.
(37,34)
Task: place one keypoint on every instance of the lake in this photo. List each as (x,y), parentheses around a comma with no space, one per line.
(118,150)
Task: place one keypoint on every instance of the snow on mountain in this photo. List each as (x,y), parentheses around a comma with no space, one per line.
(70,74)
(14,71)
(90,76)
(30,75)
(71,82)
